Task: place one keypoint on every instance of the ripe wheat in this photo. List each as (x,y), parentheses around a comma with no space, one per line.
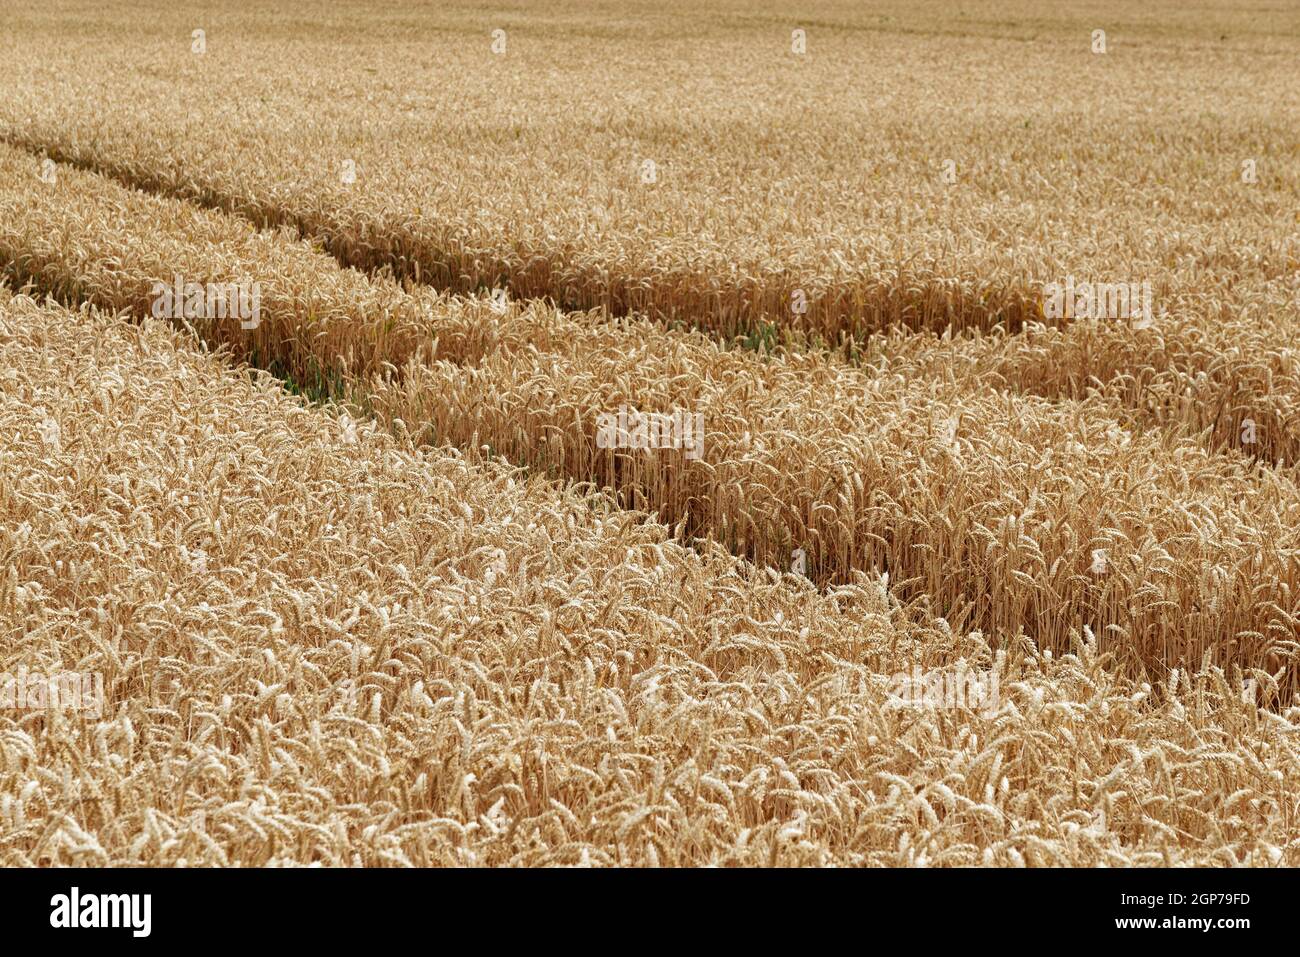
(968,498)
(318,646)
(358,637)
(774,177)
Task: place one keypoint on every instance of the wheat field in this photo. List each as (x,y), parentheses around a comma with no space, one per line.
(645,435)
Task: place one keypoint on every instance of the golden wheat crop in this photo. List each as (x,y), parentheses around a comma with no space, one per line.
(861,231)
(320,647)
(434,618)
(971,499)
(773,172)
(1230,372)
(966,497)
(1223,369)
